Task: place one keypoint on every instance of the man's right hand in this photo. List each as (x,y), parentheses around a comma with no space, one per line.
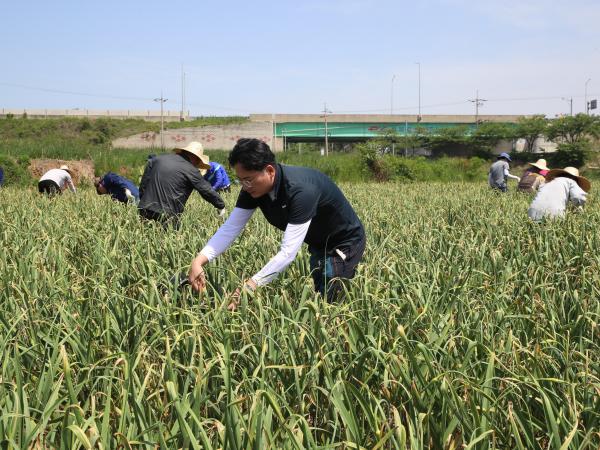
(196,274)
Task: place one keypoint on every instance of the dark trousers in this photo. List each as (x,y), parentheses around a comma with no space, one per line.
(49,187)
(166,220)
(329,270)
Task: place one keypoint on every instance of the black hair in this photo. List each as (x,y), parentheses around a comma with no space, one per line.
(252,154)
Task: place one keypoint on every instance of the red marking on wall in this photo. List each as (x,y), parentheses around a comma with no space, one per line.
(148,136)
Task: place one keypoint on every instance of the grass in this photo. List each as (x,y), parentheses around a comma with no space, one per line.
(467,326)
(345,167)
(100,130)
(208,121)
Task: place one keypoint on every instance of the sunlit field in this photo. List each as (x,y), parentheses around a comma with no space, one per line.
(466,326)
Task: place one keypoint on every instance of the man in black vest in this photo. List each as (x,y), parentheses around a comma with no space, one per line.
(302,202)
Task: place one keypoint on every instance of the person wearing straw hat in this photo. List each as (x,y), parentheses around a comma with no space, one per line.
(563,186)
(500,172)
(55,181)
(168,182)
(534,177)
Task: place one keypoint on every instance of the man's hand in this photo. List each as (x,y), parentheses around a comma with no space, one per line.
(234,300)
(223,214)
(249,285)
(196,273)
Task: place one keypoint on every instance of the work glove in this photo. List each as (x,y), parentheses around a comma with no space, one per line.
(130,197)
(223,214)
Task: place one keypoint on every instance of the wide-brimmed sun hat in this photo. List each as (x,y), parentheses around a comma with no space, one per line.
(570,172)
(505,156)
(204,164)
(540,164)
(196,149)
(65,167)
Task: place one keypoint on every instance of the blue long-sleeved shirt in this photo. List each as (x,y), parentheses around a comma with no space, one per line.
(217,177)
(116,185)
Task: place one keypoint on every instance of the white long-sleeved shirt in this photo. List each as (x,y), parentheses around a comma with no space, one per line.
(60,177)
(293,237)
(552,199)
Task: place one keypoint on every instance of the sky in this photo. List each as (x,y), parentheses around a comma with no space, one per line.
(357,56)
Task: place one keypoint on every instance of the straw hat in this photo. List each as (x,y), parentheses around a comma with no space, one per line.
(65,167)
(570,172)
(540,164)
(204,164)
(196,149)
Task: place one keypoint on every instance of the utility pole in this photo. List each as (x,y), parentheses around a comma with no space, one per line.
(162,101)
(392,96)
(570,100)
(181,115)
(325,112)
(587,109)
(419,115)
(478,102)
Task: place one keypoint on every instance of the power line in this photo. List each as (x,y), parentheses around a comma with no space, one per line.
(246,110)
(82,94)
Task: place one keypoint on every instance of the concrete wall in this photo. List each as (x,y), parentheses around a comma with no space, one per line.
(150,115)
(221,137)
(541,145)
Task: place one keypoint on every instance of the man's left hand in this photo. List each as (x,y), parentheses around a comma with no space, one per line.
(249,285)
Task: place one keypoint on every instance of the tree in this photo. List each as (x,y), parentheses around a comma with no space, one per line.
(530,129)
(573,135)
(574,129)
(489,134)
(451,139)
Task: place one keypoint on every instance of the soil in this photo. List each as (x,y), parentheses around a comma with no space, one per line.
(82,170)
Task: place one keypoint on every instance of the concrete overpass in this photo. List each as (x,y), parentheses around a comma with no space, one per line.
(288,128)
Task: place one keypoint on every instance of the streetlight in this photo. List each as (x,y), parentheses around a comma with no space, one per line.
(325,111)
(586,103)
(570,100)
(419,116)
(392,96)
(162,101)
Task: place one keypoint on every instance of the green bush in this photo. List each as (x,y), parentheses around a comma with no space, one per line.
(570,154)
(15,170)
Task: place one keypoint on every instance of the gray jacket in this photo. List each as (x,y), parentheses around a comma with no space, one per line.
(498,173)
(167,183)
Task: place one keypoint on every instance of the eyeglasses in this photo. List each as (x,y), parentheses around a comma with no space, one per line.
(247,182)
